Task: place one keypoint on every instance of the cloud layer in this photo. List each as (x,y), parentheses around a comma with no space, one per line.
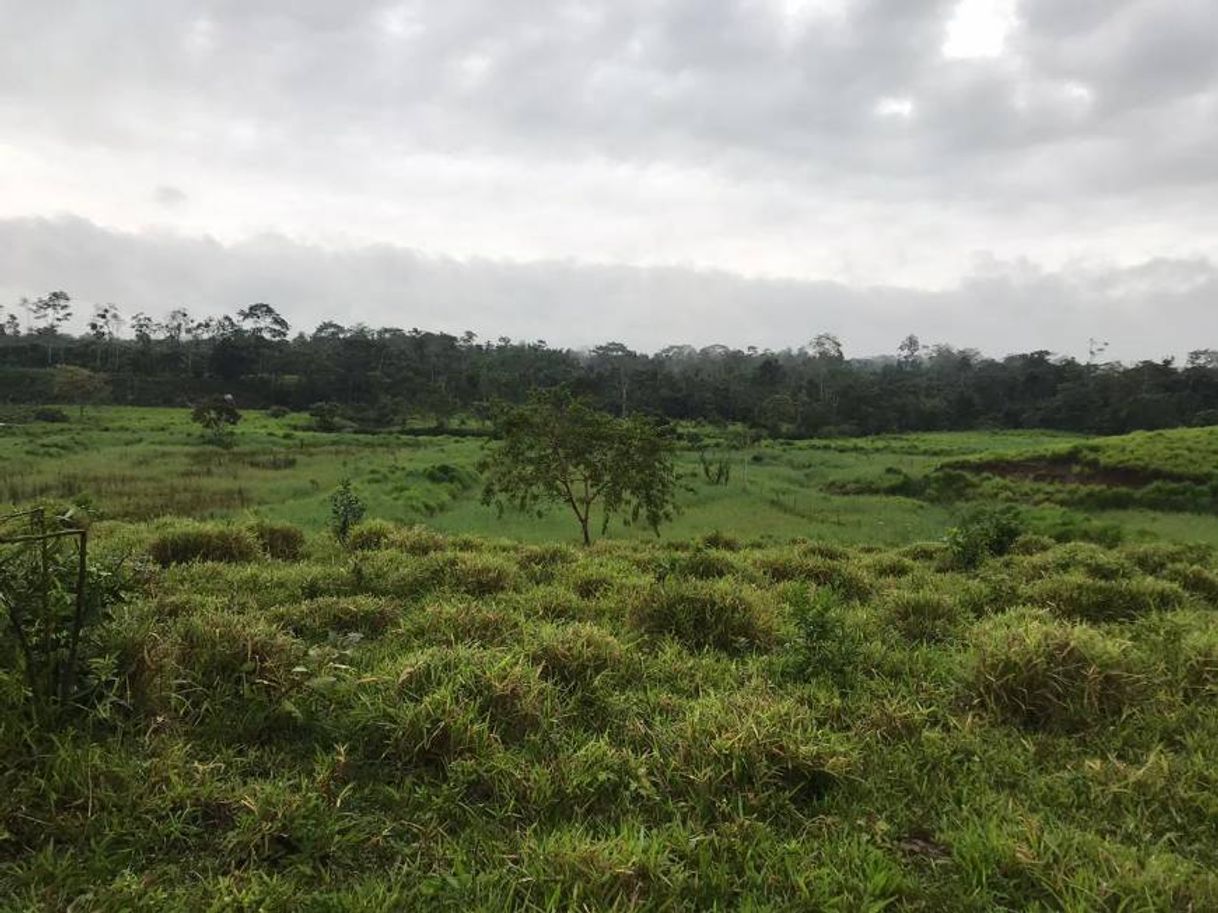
(1159,308)
(844,145)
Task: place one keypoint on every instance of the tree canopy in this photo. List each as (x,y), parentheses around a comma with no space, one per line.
(557,448)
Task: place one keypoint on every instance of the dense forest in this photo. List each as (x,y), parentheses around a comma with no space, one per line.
(384,377)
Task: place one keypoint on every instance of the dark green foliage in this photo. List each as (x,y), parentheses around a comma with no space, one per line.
(723,615)
(187,542)
(558,449)
(216,415)
(984,532)
(346,510)
(824,644)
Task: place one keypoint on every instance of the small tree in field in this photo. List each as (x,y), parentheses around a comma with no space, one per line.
(79,385)
(558,449)
(346,510)
(217,415)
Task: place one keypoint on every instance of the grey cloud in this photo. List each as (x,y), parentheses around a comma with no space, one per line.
(701,80)
(1002,307)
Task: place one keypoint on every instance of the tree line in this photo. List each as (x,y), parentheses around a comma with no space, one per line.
(382,377)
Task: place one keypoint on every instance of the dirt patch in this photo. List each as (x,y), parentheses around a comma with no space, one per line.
(1068,472)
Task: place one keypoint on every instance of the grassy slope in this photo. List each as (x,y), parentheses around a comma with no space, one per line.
(469,724)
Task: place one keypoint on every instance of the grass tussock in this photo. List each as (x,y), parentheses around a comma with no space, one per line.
(1087,599)
(722,615)
(1034,671)
(184,543)
(923,615)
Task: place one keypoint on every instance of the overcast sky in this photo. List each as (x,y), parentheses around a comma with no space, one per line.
(1005,174)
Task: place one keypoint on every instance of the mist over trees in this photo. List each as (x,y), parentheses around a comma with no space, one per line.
(383,377)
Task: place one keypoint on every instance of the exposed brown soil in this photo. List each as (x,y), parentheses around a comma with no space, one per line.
(1063,472)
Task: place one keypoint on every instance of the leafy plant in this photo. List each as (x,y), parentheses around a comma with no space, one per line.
(346,510)
(984,532)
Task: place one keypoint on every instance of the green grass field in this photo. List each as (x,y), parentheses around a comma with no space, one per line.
(793,700)
(136,464)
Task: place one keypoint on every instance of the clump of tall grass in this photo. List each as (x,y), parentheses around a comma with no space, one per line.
(1197,580)
(923,615)
(1154,557)
(465,621)
(577,656)
(371,535)
(185,542)
(722,614)
(1080,558)
(1034,671)
(281,541)
(317,619)
(453,702)
(844,576)
(756,749)
(1087,599)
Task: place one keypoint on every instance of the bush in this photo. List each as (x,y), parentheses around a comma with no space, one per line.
(1153,558)
(723,614)
(346,510)
(1086,599)
(278,412)
(702,564)
(983,532)
(923,615)
(280,541)
(49,414)
(1043,674)
(202,542)
(824,645)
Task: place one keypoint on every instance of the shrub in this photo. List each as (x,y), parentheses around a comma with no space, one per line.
(49,414)
(1040,673)
(823,645)
(1086,599)
(371,535)
(281,541)
(983,532)
(723,615)
(278,412)
(923,615)
(346,510)
(202,542)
